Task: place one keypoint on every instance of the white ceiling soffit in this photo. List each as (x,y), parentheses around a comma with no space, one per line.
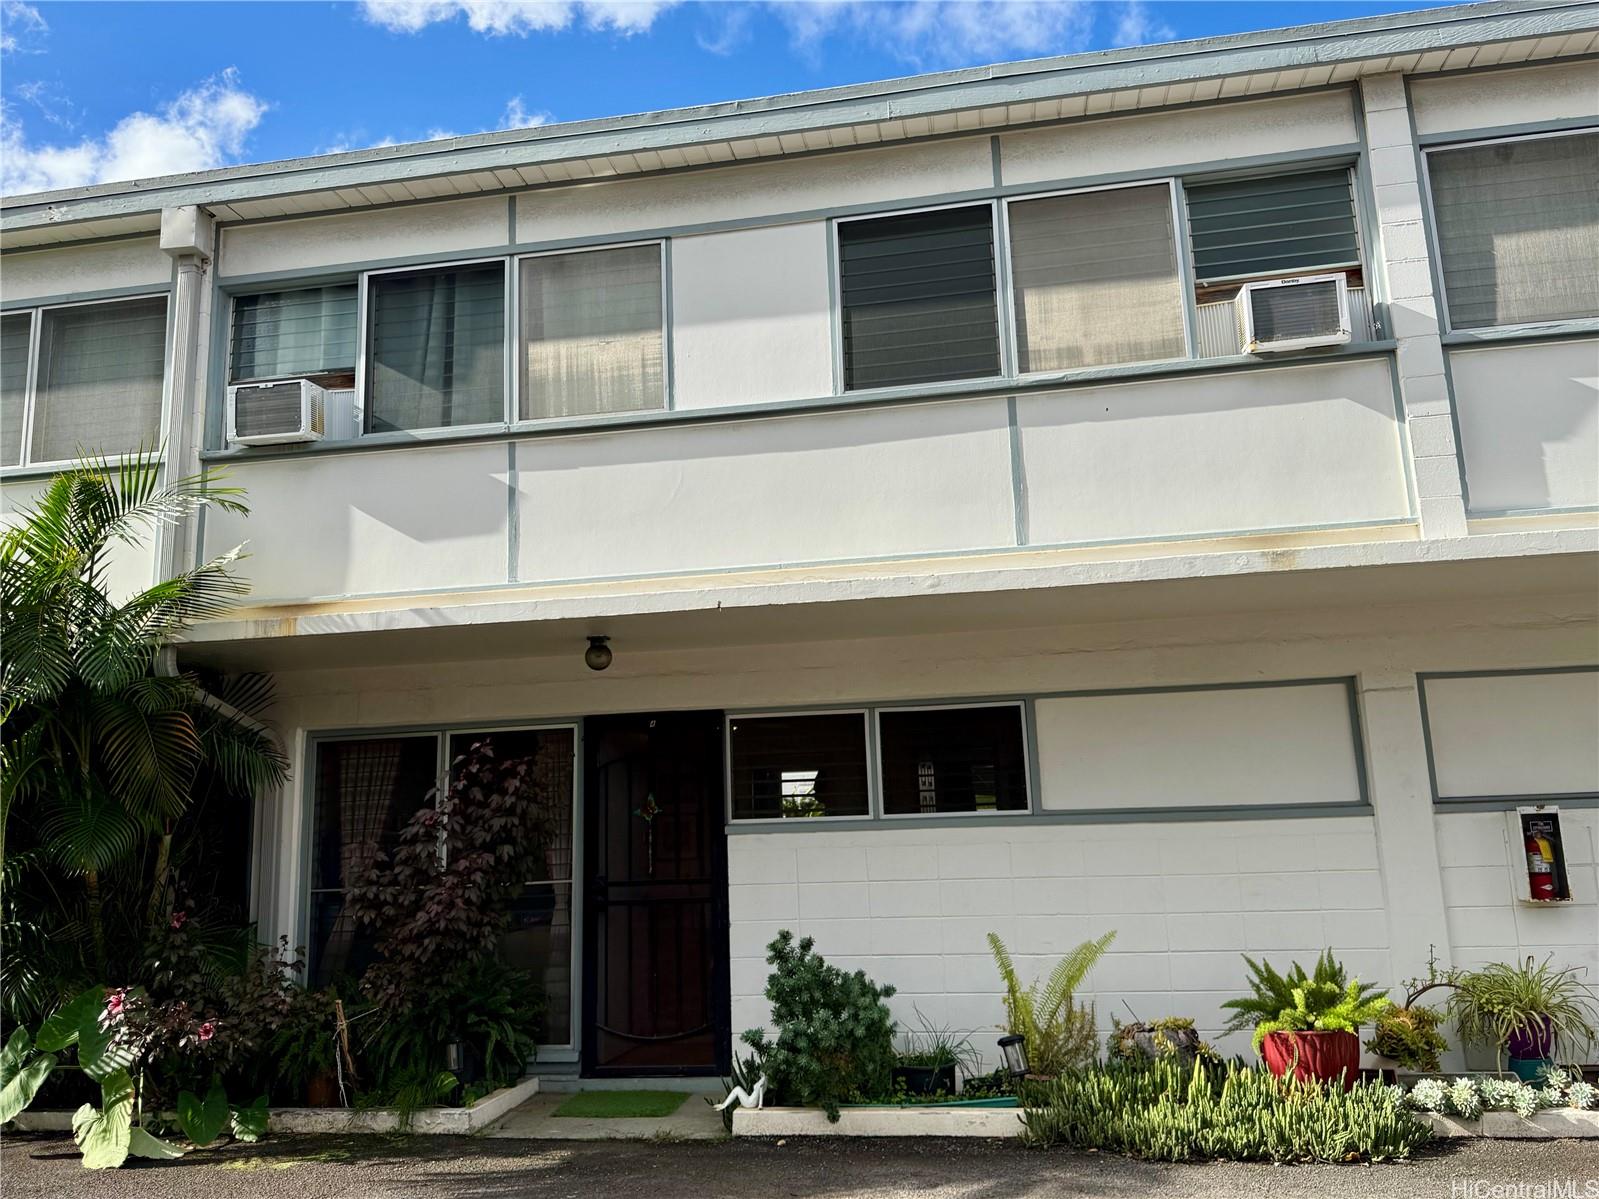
(976,99)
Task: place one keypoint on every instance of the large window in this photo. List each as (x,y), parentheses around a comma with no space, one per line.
(800,766)
(308,331)
(942,760)
(97,375)
(1518,229)
(366,791)
(1096,279)
(918,297)
(436,348)
(592,332)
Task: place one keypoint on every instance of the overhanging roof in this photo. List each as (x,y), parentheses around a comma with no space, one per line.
(951,102)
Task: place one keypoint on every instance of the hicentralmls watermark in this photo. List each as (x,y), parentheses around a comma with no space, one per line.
(1548,1188)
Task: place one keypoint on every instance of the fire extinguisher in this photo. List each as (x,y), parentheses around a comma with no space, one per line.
(1540,866)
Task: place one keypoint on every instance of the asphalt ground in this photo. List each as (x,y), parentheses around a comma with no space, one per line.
(288,1167)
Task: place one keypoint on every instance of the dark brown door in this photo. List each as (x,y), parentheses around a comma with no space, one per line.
(656,944)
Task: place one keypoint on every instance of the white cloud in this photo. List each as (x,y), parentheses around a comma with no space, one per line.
(934,33)
(204,127)
(499,18)
(19,22)
(516,116)
(1137,26)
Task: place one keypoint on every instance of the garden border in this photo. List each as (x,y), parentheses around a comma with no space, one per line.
(911,1120)
(428,1121)
(1550,1124)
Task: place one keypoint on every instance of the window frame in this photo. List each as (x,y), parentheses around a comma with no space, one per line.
(1435,242)
(441,734)
(36,315)
(1007,360)
(363,352)
(1181,243)
(869,741)
(513,416)
(1023,711)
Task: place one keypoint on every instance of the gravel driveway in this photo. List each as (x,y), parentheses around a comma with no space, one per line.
(463,1168)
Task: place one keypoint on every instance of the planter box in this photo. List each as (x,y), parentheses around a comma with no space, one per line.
(909,1121)
(1557,1122)
(431,1121)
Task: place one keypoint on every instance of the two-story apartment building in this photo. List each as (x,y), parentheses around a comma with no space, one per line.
(1153,490)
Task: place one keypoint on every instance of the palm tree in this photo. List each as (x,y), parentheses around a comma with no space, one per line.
(103,743)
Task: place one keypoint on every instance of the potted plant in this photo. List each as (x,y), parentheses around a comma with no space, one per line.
(303,1049)
(1172,1036)
(928,1061)
(1409,1035)
(1306,1024)
(1525,1012)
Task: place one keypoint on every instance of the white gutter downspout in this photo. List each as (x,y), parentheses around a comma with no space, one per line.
(188,236)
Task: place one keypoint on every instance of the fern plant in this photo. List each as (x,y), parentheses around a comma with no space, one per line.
(1326,1000)
(1060,1033)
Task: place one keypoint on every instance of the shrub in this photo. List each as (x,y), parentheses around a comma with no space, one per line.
(1167,1111)
(835,1037)
(1060,1034)
(1410,1036)
(1325,1000)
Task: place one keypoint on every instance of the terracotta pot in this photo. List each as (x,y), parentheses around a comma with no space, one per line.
(1314,1056)
(322,1090)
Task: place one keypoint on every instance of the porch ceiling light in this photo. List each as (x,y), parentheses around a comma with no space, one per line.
(1014,1047)
(598,655)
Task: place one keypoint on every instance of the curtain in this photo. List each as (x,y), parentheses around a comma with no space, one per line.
(14,333)
(1096,279)
(918,298)
(592,332)
(1518,226)
(437,349)
(100,379)
(283,334)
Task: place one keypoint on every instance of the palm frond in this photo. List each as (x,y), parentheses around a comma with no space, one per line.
(87,830)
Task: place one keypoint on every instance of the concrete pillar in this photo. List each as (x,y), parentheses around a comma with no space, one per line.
(1401,253)
(187,235)
(1407,838)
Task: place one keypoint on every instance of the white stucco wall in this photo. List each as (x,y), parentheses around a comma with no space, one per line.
(30,274)
(443,228)
(793,489)
(750,316)
(418,520)
(1515,734)
(1257,745)
(131,568)
(1303,445)
(1487,99)
(1529,424)
(1157,142)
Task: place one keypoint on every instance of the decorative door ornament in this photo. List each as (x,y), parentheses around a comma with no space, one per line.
(647,813)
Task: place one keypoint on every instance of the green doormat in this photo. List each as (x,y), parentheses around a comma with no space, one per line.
(621,1105)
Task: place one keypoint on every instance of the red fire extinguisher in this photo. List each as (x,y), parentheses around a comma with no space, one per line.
(1540,866)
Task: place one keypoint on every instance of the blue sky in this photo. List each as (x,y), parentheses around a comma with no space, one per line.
(100,91)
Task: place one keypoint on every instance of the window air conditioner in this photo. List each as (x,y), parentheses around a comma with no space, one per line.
(276,413)
(1275,315)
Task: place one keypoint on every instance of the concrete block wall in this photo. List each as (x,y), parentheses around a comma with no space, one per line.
(914,907)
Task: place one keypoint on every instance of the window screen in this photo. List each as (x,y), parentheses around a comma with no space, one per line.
(100,377)
(788,767)
(1518,229)
(539,937)
(953,760)
(15,331)
(437,349)
(1273,225)
(282,334)
(592,332)
(1096,279)
(918,298)
(365,792)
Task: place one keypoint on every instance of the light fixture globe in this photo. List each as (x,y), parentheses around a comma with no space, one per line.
(598,655)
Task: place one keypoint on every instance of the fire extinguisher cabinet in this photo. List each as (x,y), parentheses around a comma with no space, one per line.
(1538,855)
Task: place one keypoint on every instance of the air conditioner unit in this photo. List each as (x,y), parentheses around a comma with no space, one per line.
(276,413)
(1276,315)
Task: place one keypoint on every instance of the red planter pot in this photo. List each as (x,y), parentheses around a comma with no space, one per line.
(1314,1056)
